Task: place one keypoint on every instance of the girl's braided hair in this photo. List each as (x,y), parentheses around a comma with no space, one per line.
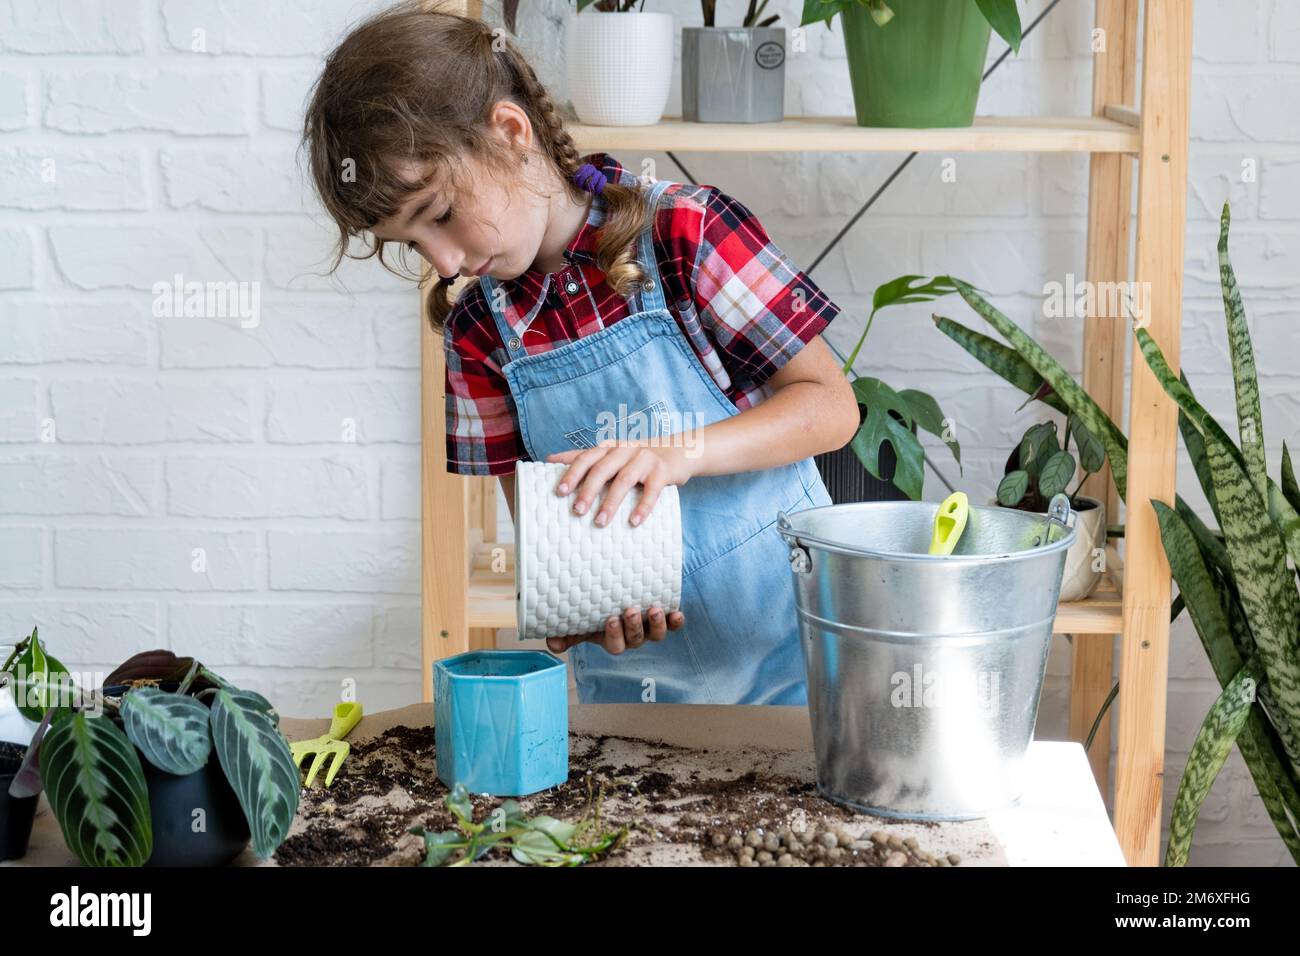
(412,84)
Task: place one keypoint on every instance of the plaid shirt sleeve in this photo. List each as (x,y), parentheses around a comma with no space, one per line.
(482,429)
(755,305)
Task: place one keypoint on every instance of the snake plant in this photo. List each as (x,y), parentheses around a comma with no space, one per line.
(1236,584)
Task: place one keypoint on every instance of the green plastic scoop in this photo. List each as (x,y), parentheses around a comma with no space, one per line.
(949,523)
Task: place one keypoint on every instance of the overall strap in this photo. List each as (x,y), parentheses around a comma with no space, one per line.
(492,292)
(650,296)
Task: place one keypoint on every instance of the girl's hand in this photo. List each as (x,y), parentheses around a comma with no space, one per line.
(631,630)
(628,464)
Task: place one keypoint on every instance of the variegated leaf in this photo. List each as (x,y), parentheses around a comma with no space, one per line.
(1250,423)
(1075,398)
(1205,606)
(1213,743)
(1262,578)
(258,764)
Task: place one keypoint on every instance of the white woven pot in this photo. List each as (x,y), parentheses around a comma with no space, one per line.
(620,66)
(572,576)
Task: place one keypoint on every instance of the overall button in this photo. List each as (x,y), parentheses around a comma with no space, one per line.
(513,343)
(648,285)
(571,287)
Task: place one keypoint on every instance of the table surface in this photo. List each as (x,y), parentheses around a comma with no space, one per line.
(1061,819)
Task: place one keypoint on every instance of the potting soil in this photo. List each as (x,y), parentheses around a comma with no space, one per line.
(682,805)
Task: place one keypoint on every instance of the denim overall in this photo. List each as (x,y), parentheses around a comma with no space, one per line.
(740,641)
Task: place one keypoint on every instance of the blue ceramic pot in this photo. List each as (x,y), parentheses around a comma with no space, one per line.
(501,721)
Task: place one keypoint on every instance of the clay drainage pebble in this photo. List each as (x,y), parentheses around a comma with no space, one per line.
(734,807)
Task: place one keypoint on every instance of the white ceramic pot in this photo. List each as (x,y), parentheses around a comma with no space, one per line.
(1079,579)
(14,727)
(620,66)
(1088,550)
(572,575)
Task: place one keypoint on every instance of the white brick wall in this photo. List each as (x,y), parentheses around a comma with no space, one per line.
(250,494)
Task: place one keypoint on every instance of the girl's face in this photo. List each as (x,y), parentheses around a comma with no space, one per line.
(464,236)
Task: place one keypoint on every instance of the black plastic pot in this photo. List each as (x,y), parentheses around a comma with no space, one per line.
(196,818)
(16,815)
(848,481)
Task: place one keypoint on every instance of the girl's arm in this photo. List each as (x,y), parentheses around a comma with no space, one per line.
(812,410)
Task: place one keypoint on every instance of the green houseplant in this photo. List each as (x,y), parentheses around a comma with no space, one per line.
(752,14)
(1238,587)
(734,74)
(886,444)
(917,63)
(1236,583)
(1041,466)
(129,773)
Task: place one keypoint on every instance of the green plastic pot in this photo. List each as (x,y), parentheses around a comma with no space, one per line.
(920,69)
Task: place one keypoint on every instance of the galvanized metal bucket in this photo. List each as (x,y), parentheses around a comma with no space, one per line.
(924,672)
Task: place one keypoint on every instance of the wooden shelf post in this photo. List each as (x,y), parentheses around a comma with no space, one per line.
(1153,428)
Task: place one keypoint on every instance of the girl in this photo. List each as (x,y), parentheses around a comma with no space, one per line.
(603,304)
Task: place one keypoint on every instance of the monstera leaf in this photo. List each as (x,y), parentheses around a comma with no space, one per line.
(97,791)
(258,764)
(880,426)
(171,730)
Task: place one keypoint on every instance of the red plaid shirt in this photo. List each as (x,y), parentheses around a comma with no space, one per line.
(741,303)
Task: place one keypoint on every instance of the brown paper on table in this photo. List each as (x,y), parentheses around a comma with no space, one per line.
(715,727)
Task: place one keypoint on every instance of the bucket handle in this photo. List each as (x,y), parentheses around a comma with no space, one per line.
(1059,513)
(800,559)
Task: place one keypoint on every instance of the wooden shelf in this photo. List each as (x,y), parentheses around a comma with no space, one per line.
(841,134)
(492,593)
(492,598)
(465,600)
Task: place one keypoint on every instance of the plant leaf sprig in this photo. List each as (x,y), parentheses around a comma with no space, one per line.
(540,840)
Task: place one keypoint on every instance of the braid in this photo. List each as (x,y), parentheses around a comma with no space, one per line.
(625,207)
(417,84)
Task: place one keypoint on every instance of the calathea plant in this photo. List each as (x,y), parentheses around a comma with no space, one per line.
(90,757)
(1040,466)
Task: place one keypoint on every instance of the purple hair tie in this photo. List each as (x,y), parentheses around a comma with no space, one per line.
(590,178)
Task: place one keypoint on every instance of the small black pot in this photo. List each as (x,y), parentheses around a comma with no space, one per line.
(173,802)
(181,835)
(848,481)
(16,815)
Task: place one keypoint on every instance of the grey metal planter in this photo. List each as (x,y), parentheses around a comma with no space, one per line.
(733,74)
